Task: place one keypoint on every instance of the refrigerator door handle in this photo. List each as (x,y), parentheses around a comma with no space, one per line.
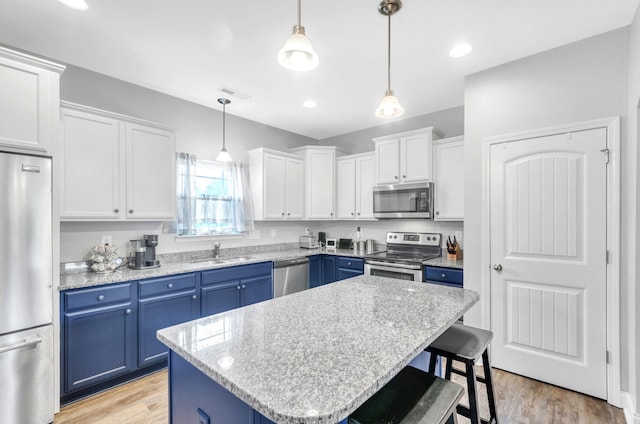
(31,341)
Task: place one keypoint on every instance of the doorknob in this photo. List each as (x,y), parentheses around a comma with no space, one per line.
(497,267)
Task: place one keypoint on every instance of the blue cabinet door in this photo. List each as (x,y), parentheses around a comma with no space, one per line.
(220,297)
(328,269)
(160,312)
(344,273)
(315,270)
(348,267)
(256,289)
(97,344)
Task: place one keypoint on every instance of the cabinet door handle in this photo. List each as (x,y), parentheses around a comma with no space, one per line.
(351,213)
(289,214)
(238,287)
(130,210)
(244,287)
(349,263)
(101,297)
(282,213)
(444,275)
(170,285)
(194,297)
(358,213)
(331,213)
(127,311)
(404,176)
(116,210)
(396,177)
(437,212)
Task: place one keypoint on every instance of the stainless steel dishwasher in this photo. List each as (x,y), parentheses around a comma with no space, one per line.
(290,276)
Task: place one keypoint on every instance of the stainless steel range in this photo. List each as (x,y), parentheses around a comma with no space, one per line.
(405,255)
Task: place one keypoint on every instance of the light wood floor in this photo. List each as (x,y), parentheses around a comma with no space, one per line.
(520,400)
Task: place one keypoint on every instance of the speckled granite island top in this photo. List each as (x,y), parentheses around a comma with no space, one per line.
(316,355)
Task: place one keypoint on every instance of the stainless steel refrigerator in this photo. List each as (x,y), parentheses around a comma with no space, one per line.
(26,284)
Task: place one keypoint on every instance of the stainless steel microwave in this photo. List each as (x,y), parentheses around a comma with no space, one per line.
(403,201)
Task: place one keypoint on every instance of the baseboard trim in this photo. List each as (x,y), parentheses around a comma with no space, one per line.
(630,414)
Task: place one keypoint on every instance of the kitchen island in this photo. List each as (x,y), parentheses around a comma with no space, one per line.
(310,357)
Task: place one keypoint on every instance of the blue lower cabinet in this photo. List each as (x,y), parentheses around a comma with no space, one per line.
(328,269)
(99,336)
(228,288)
(163,302)
(348,267)
(452,277)
(315,270)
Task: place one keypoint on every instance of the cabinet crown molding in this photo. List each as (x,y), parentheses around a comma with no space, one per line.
(436,134)
(84,108)
(31,60)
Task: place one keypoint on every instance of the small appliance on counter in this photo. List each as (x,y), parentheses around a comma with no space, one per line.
(142,252)
(308,242)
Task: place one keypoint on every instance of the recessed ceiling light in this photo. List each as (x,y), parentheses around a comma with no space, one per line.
(310,104)
(460,50)
(75,4)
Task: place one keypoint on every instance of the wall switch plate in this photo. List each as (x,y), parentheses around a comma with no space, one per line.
(107,240)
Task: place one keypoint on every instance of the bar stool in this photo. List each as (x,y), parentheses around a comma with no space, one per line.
(411,397)
(467,344)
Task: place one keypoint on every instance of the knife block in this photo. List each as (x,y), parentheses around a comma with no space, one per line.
(455,256)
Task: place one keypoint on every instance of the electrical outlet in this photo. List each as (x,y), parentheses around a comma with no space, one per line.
(107,240)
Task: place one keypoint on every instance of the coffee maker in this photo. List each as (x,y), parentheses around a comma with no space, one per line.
(142,252)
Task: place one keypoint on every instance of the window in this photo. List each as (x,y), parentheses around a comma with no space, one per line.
(213,198)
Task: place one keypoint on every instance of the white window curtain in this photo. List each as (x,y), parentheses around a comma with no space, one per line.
(213,198)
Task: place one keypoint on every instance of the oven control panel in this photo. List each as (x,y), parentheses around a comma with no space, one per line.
(420,239)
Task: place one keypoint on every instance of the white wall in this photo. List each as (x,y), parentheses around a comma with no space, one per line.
(633,300)
(581,81)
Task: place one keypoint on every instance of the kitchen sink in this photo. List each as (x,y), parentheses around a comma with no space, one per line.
(216,261)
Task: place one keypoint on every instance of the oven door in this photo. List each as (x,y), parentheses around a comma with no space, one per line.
(394,270)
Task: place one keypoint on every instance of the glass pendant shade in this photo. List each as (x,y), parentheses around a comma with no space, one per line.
(297,53)
(389,106)
(224,156)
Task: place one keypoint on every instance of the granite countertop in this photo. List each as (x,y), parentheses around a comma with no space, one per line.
(182,264)
(316,355)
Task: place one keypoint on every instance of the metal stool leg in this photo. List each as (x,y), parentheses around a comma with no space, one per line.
(447,374)
(432,362)
(488,377)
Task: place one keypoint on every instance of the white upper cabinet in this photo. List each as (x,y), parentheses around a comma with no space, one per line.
(30,101)
(404,157)
(151,173)
(115,167)
(320,165)
(277,184)
(355,180)
(448,169)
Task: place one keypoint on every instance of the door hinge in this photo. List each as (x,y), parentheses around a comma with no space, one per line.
(608,357)
(606,152)
(607,257)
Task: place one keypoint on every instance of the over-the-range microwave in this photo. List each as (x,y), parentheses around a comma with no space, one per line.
(403,201)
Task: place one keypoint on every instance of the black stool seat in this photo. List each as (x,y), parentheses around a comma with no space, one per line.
(411,397)
(467,344)
(463,341)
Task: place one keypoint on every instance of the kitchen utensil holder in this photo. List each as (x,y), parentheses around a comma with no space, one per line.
(455,256)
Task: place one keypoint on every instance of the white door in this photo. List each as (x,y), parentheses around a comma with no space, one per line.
(295,189)
(151,173)
(548,235)
(415,157)
(364,187)
(346,188)
(275,178)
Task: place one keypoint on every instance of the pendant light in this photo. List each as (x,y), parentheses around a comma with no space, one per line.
(224,156)
(297,53)
(389,106)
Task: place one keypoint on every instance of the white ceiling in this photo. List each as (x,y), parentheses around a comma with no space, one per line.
(190,49)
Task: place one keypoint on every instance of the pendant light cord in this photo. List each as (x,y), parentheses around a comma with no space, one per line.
(299,13)
(389,54)
(224,116)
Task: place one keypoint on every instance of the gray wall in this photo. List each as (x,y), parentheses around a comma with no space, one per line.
(199,131)
(450,122)
(581,81)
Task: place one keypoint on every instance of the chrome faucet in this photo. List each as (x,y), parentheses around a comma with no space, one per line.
(216,249)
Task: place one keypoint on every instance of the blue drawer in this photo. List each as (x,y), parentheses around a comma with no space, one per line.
(445,275)
(351,263)
(170,284)
(236,272)
(99,296)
